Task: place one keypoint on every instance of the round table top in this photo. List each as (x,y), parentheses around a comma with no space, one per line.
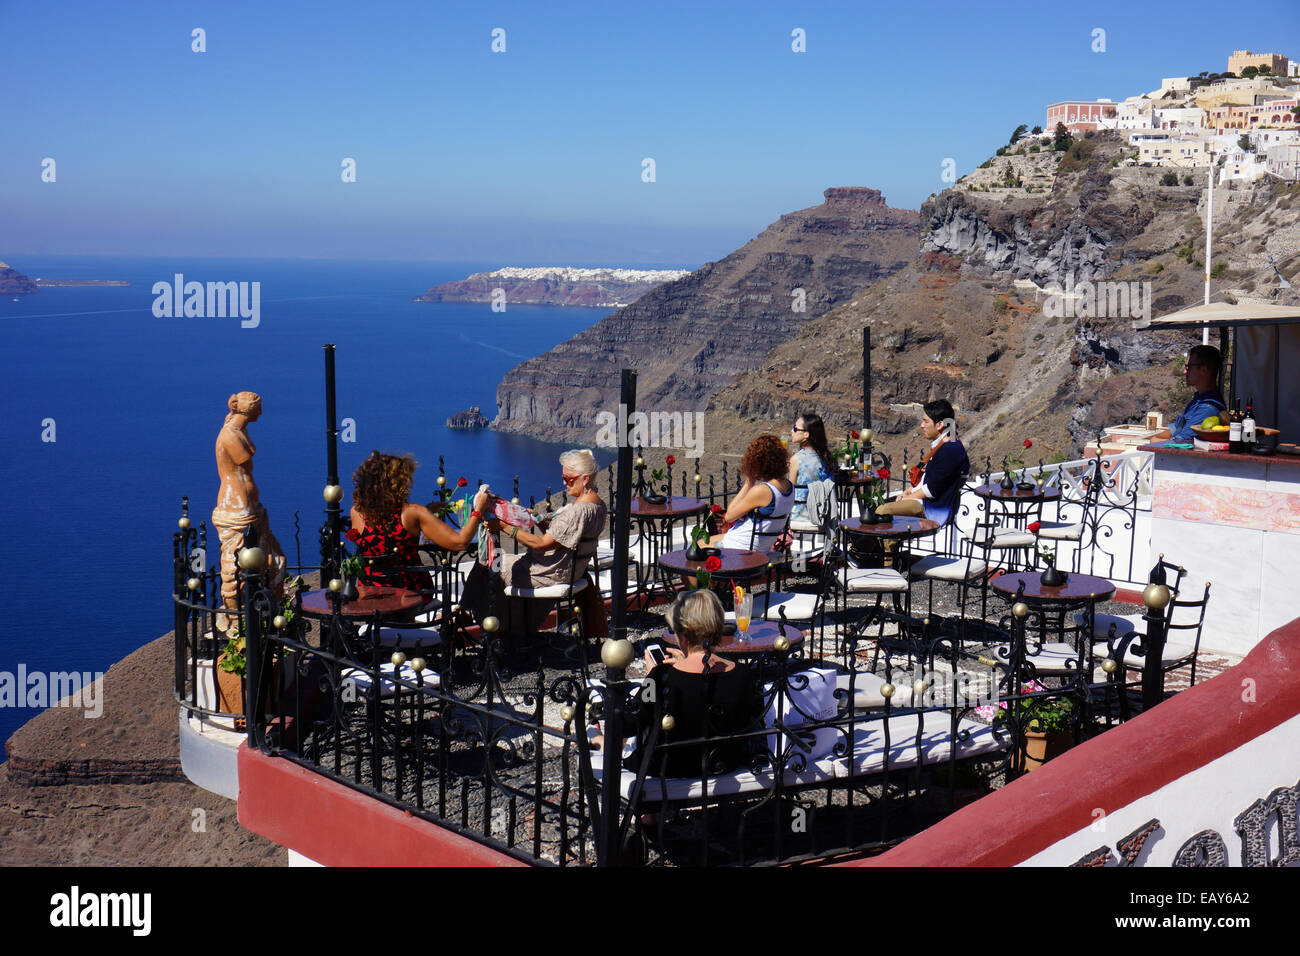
(854,476)
(899,526)
(736,563)
(757,640)
(385,601)
(998,493)
(674,507)
(1077,587)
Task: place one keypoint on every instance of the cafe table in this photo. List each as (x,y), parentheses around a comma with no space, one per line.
(736,565)
(1054,605)
(655,527)
(395,604)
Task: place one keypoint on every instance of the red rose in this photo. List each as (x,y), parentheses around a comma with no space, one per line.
(672,460)
(461,482)
(1033,527)
(1028,443)
(883,473)
(853,434)
(354,535)
(718,509)
(712,563)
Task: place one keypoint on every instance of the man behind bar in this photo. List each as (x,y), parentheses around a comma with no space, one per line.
(1202,372)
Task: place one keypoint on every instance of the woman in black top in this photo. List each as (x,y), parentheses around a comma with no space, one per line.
(706,696)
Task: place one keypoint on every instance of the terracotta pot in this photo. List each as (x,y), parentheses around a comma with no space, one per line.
(230,692)
(1041,747)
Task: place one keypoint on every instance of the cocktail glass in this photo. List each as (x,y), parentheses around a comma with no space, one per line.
(744,608)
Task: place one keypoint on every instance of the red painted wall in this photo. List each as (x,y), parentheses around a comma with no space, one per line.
(337,826)
(1123,764)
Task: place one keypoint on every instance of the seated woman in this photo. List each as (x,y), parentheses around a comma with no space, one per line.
(387,527)
(761,508)
(549,553)
(811,460)
(706,696)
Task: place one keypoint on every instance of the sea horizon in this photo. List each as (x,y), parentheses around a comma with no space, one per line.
(112,413)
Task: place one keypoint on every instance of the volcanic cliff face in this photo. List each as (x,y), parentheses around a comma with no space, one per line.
(690,337)
(14,283)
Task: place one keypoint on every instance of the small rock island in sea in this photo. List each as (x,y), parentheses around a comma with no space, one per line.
(597,288)
(469,419)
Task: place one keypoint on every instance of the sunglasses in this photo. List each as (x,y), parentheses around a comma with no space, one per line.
(570,479)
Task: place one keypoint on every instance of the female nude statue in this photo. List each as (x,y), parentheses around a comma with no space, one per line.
(238,507)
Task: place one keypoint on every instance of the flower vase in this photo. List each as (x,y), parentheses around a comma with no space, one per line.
(349,592)
(1052,578)
(1008,483)
(694,552)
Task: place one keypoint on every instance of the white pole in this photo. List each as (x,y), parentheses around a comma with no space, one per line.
(1209,234)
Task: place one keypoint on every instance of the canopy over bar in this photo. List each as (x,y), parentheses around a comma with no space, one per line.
(1222,314)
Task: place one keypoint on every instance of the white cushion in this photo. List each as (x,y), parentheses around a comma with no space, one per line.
(798,606)
(549,592)
(1124,624)
(607,582)
(361,679)
(875,581)
(605,553)
(804,526)
(1060,531)
(1173,651)
(866,691)
(942,568)
(405,638)
(1004,539)
(1055,658)
(868,758)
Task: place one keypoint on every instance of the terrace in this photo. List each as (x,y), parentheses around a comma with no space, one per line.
(482,741)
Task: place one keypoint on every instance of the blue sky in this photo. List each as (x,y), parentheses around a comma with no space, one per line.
(534,155)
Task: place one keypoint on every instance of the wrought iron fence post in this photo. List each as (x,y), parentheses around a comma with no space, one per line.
(616,653)
(252,562)
(333,527)
(1156,598)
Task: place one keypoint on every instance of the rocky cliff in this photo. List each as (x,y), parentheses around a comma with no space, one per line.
(690,337)
(553,286)
(973,317)
(14,283)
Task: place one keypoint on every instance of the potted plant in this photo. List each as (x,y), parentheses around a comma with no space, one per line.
(694,552)
(350,568)
(232,665)
(1048,729)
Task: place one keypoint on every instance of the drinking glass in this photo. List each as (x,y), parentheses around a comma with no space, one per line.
(743,610)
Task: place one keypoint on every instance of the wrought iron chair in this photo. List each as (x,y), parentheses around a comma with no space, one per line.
(568,618)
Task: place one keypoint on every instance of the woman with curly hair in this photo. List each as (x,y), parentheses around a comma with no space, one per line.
(387,527)
(761,508)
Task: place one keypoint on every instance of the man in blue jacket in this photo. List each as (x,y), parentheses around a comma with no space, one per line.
(944,469)
(1202,371)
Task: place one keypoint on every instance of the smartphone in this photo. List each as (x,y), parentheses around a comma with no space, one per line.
(656,653)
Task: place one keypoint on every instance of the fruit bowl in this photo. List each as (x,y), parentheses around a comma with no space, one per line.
(1211,434)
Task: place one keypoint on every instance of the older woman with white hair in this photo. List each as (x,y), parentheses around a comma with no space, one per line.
(547,554)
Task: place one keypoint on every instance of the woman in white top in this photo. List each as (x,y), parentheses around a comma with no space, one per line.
(761,509)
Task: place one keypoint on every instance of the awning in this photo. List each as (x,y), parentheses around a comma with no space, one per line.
(1221,313)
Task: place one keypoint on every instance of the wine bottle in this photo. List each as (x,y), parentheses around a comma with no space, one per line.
(1234,428)
(1248,438)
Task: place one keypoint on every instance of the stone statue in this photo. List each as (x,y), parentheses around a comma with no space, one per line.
(238,507)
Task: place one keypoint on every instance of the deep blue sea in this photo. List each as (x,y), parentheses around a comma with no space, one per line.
(136,403)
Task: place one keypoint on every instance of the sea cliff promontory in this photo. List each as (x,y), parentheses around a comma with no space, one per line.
(693,336)
(13,282)
(514,285)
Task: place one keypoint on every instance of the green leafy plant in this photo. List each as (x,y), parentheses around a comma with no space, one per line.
(233,660)
(351,565)
(1048,715)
